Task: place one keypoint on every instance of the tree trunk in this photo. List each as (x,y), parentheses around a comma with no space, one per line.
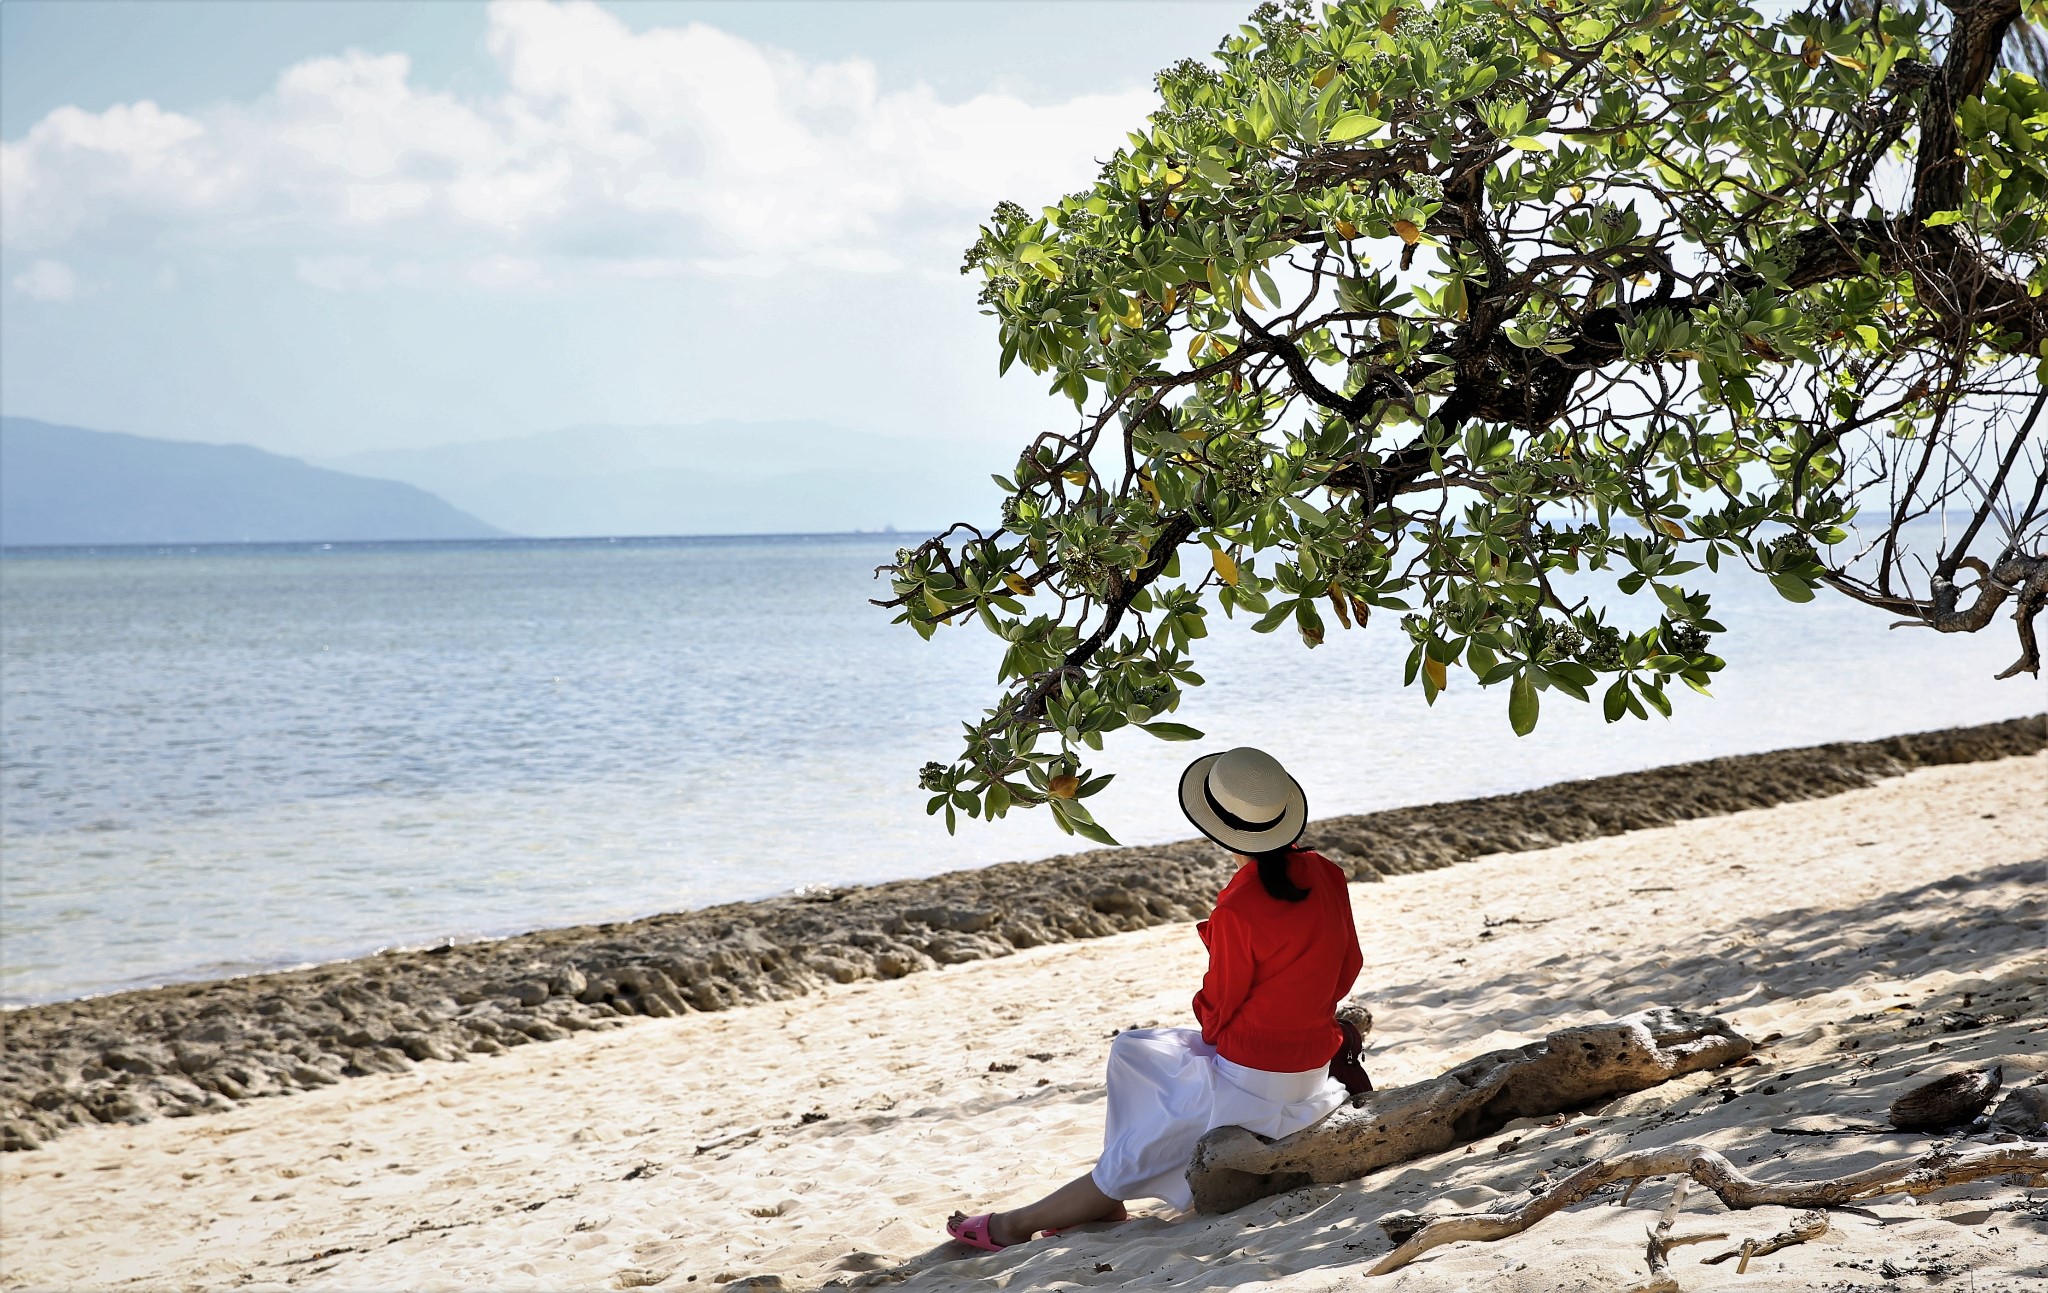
(1566,1070)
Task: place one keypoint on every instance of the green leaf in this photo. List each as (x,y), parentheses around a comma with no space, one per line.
(1351,125)
(1792,588)
(1481,660)
(1089,830)
(1172,731)
(1523,705)
(1274,618)
(1615,702)
(1655,695)
(1573,671)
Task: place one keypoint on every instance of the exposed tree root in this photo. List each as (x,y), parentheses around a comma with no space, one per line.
(1934,1170)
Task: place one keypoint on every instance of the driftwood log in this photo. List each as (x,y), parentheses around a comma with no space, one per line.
(1570,1068)
(1934,1170)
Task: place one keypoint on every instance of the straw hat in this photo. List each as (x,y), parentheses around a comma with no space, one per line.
(1244,800)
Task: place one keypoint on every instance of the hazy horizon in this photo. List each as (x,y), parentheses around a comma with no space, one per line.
(73,486)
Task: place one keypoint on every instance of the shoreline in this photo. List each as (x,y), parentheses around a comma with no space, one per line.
(1867,942)
(209,1046)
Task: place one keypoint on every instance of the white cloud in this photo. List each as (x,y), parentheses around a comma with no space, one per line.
(47,280)
(679,146)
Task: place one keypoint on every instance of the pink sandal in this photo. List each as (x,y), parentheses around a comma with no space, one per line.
(973,1231)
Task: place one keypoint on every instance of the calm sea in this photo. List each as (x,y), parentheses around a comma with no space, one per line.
(220,760)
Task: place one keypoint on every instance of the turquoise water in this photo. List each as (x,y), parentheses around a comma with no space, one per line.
(220,760)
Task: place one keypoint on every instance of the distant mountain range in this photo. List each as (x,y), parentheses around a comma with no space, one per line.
(707,478)
(68,485)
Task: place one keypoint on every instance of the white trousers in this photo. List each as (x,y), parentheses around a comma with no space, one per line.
(1167,1087)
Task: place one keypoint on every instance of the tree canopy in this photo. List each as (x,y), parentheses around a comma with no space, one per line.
(1441,312)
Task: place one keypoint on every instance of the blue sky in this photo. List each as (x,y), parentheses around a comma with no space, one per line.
(321,227)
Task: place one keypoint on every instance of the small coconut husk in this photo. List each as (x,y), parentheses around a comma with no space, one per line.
(1946,1102)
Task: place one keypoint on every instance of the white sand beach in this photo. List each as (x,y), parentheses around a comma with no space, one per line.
(826,1138)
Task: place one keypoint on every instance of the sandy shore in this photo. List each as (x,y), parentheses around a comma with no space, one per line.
(202,1048)
(1875,938)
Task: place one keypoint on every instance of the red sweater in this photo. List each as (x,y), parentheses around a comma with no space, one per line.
(1278,969)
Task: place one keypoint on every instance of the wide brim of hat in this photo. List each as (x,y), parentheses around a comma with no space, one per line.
(1195,804)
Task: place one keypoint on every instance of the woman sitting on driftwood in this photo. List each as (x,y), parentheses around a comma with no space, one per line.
(1282,953)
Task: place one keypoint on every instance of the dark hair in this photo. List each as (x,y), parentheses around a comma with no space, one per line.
(1273,873)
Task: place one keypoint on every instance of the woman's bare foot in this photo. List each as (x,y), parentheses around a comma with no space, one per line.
(1005,1229)
(1077,1203)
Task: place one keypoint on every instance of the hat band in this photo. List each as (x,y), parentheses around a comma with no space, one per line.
(1232,820)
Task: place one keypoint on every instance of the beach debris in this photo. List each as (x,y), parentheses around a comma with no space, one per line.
(1823,1126)
(1805,1226)
(1570,1068)
(2023,1112)
(1935,1170)
(733,1138)
(1947,1101)
(1661,1241)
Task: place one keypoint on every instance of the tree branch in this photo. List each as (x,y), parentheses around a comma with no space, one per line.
(1934,1170)
(1977,32)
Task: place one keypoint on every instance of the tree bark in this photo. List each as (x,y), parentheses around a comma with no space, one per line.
(1570,1068)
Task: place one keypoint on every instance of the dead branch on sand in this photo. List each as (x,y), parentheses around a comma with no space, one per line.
(1569,1069)
(1934,1170)
(1805,1226)
(1658,1254)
